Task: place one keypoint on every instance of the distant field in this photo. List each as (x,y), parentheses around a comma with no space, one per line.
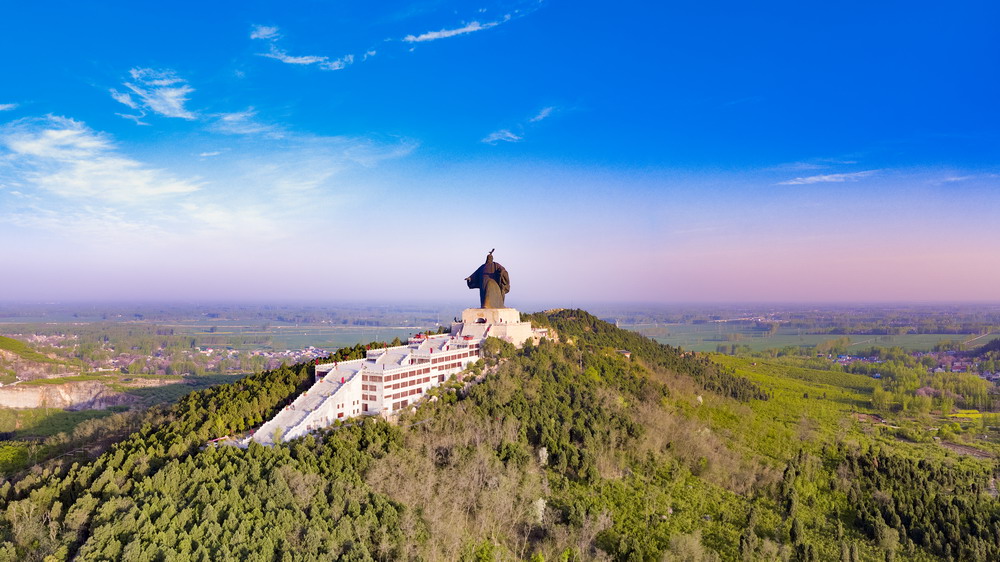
(706,337)
(297,337)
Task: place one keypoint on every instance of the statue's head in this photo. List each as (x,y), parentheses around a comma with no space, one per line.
(489,257)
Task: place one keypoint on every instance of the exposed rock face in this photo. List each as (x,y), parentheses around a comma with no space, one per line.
(83,395)
(26,369)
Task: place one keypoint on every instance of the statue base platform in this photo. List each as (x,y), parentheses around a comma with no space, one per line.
(503,323)
(491,316)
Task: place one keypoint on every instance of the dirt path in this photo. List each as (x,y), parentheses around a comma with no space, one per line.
(977,337)
(966,450)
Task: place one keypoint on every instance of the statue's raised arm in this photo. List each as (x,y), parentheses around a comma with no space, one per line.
(492,281)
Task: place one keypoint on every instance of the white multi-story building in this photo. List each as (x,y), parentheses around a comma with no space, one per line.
(390,379)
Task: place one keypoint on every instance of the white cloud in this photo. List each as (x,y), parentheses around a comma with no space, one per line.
(271,35)
(88,202)
(124,97)
(208,154)
(284,57)
(10,106)
(545,112)
(368,152)
(263,32)
(296,178)
(969,177)
(338,64)
(244,123)
(65,157)
(813,164)
(137,118)
(445,33)
(501,135)
(829,178)
(324,62)
(159,91)
(506,135)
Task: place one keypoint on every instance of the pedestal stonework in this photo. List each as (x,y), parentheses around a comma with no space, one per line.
(491,316)
(503,323)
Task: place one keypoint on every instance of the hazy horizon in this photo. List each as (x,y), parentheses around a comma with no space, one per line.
(635,152)
(523,306)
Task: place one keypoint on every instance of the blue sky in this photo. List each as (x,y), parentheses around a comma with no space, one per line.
(661,152)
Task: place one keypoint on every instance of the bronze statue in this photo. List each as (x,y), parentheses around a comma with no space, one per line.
(492,281)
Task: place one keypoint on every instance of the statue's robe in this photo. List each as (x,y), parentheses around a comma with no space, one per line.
(493,283)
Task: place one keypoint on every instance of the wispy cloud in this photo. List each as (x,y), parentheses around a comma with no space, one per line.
(337,64)
(8,106)
(163,92)
(124,97)
(271,35)
(445,33)
(65,157)
(545,112)
(244,123)
(813,164)
(278,54)
(60,176)
(502,135)
(158,91)
(517,132)
(966,177)
(137,118)
(263,32)
(829,178)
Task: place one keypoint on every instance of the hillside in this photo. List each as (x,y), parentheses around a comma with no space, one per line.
(565,451)
(19,360)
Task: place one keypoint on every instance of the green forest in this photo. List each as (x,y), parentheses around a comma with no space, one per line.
(567,450)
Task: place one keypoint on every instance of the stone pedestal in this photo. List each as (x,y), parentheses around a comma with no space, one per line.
(503,323)
(491,316)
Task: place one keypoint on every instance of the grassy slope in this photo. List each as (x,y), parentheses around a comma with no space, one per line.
(790,421)
(777,428)
(711,462)
(772,432)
